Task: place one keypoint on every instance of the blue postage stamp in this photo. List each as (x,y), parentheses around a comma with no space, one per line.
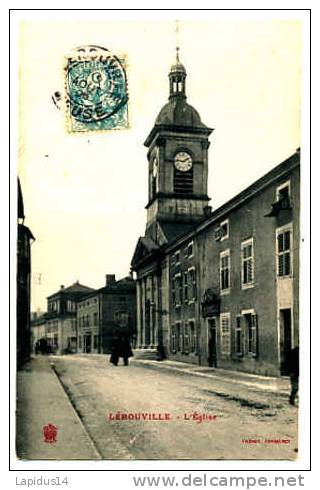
(97,92)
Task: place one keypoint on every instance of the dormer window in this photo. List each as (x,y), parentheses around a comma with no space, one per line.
(222,231)
(283,200)
(283,193)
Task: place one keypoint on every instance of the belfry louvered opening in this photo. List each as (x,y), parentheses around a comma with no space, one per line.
(183,182)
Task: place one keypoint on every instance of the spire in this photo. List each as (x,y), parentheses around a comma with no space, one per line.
(177,78)
(177,55)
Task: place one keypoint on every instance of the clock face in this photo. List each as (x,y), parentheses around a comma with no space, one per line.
(183,161)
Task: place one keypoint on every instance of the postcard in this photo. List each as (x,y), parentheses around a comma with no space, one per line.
(159,238)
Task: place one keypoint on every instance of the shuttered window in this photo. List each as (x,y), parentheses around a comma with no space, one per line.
(247,275)
(225,335)
(225,270)
(239,336)
(284,253)
(252,335)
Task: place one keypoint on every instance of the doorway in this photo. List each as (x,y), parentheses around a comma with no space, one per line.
(212,342)
(285,340)
(87,343)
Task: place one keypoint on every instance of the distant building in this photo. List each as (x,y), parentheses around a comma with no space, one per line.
(105,311)
(25,239)
(215,288)
(61,318)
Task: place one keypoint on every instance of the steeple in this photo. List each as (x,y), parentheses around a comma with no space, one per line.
(177,78)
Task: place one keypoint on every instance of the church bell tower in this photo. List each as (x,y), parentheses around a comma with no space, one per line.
(177,164)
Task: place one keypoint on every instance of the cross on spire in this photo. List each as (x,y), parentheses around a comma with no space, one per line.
(177,54)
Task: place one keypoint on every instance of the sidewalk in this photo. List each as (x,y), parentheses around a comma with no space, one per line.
(42,400)
(248,389)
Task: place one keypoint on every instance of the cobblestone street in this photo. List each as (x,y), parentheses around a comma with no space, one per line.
(98,389)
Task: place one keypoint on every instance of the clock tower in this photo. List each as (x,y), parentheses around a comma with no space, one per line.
(178,164)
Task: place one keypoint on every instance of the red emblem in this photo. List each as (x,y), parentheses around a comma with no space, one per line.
(50,433)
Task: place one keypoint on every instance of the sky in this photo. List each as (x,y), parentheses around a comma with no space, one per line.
(85,193)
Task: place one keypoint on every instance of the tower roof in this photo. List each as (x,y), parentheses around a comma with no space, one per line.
(177,114)
(178,67)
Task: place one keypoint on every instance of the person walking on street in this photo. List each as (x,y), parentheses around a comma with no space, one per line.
(293,367)
(121,348)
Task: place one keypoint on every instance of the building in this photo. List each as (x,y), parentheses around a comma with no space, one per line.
(104,311)
(25,238)
(61,318)
(215,288)
(38,328)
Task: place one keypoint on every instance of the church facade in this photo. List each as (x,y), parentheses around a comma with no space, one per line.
(217,288)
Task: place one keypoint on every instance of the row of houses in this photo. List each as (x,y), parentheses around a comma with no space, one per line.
(83,319)
(217,288)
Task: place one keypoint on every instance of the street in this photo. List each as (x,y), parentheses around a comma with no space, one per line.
(201,418)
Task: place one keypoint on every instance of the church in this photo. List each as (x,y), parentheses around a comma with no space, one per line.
(217,288)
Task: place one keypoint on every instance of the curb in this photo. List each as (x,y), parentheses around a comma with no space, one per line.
(76,413)
(157,365)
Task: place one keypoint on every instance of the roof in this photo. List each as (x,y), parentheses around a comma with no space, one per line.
(173,230)
(280,171)
(124,285)
(179,232)
(177,112)
(75,288)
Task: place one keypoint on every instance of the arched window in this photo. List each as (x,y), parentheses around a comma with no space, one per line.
(183,181)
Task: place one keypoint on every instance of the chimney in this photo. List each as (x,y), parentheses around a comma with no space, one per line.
(62,286)
(110,279)
(207,211)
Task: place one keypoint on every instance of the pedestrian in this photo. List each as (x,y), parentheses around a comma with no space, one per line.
(293,368)
(121,348)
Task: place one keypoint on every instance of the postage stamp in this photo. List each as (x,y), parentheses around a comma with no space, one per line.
(96,90)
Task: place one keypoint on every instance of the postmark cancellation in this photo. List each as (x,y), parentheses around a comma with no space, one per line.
(96,90)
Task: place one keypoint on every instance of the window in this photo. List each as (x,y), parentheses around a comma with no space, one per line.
(173,291)
(252,336)
(239,336)
(70,305)
(176,338)
(224,225)
(251,327)
(177,290)
(175,259)
(192,284)
(173,339)
(284,254)
(95,341)
(186,340)
(225,271)
(95,318)
(222,231)
(283,191)
(185,287)
(183,181)
(121,318)
(247,275)
(189,250)
(225,335)
(193,337)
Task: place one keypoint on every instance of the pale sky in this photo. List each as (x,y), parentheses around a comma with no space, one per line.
(84,202)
